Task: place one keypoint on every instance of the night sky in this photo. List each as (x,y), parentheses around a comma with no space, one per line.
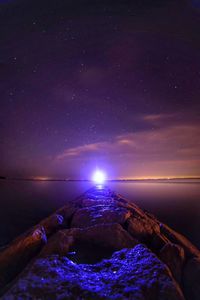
(107,84)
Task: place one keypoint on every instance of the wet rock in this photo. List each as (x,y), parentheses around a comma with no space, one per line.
(89,244)
(106,201)
(99,214)
(179,239)
(157,242)
(98,192)
(142,228)
(15,257)
(191,279)
(59,243)
(174,257)
(76,261)
(52,223)
(135,274)
(67,212)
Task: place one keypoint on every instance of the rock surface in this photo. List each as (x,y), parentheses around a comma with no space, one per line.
(52,223)
(129,274)
(191,279)
(90,244)
(174,257)
(179,239)
(14,258)
(73,255)
(99,214)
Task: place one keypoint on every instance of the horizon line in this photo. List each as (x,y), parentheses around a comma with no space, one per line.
(43,178)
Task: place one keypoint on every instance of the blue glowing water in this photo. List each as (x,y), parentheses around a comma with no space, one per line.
(24,203)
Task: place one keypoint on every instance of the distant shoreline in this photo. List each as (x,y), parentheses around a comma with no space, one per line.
(109,180)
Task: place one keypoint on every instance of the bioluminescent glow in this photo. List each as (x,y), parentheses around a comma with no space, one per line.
(99,177)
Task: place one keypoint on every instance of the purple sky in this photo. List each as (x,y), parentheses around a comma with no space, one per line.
(108,84)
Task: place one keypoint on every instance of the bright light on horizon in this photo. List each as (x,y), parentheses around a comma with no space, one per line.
(99,177)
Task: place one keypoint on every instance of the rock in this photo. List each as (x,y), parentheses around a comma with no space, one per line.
(157,242)
(89,244)
(134,274)
(106,201)
(79,260)
(191,279)
(59,243)
(179,239)
(129,205)
(174,257)
(67,212)
(96,193)
(15,257)
(52,223)
(99,214)
(142,228)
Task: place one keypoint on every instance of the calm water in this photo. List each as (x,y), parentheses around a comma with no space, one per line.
(24,203)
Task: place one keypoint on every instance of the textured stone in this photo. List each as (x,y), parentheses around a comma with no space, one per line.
(142,228)
(99,214)
(157,242)
(89,244)
(52,223)
(67,211)
(179,239)
(86,231)
(191,279)
(106,201)
(15,257)
(174,257)
(134,274)
(59,243)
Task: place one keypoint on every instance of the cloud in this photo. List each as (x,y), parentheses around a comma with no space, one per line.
(155,118)
(78,151)
(173,150)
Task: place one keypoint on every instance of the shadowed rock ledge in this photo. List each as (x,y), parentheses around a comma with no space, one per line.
(100,246)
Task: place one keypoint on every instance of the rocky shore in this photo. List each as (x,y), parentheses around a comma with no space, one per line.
(100,246)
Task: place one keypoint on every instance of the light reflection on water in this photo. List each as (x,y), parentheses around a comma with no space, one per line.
(24,203)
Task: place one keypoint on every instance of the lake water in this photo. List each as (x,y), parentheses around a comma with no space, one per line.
(24,203)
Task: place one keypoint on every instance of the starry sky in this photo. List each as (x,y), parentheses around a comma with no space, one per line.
(104,84)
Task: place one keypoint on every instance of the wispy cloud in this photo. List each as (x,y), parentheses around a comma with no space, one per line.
(77,151)
(173,142)
(155,118)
